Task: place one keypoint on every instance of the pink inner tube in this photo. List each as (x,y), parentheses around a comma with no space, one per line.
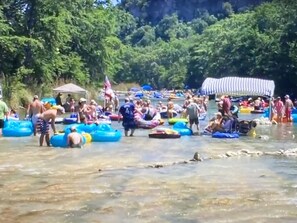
(115,117)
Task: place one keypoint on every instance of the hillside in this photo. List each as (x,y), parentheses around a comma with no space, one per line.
(152,11)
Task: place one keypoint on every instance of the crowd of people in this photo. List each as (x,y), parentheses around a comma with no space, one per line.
(225,119)
(283,109)
(192,107)
(43,115)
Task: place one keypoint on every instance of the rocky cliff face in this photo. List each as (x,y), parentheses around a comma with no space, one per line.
(154,10)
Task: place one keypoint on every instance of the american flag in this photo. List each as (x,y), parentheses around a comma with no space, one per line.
(108,91)
(107,83)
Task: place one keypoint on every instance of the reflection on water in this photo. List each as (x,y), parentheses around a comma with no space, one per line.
(58,185)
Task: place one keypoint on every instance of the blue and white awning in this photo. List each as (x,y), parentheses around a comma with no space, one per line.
(239,86)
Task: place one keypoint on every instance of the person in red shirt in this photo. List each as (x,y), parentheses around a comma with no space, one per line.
(279,108)
(226,105)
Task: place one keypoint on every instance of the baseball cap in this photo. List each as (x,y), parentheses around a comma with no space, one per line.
(35,97)
(93,102)
(82,100)
(73,128)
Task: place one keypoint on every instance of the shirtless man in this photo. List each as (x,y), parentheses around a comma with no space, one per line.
(34,109)
(288,107)
(92,111)
(43,123)
(170,108)
(74,139)
(82,111)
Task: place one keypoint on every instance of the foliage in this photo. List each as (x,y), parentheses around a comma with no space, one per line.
(43,42)
(260,43)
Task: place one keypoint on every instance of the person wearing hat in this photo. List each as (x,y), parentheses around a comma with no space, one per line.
(34,109)
(127,111)
(92,111)
(82,110)
(45,119)
(215,123)
(74,139)
(279,108)
(3,113)
(288,107)
(257,104)
(170,108)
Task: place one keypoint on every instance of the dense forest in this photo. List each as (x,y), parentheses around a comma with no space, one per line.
(168,44)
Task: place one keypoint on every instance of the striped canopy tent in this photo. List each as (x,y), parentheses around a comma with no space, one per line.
(238,86)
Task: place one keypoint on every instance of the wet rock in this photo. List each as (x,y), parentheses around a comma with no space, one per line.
(264,137)
(272,153)
(197,157)
(156,166)
(222,156)
(291,151)
(230,154)
(244,151)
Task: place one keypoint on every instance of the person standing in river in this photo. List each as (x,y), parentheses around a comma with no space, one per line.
(288,107)
(193,111)
(3,113)
(44,120)
(127,111)
(34,109)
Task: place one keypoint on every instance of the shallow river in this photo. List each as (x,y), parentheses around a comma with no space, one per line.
(40,184)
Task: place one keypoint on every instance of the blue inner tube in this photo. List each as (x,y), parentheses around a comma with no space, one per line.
(225,135)
(69,120)
(294,117)
(106,136)
(52,101)
(182,129)
(20,132)
(14,128)
(61,140)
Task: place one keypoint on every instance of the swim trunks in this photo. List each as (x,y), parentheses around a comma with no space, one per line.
(35,118)
(129,124)
(43,126)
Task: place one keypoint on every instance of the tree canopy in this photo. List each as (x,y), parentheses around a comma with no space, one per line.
(45,41)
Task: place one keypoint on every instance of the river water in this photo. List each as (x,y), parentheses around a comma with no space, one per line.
(119,182)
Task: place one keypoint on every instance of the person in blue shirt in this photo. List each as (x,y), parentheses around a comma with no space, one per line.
(127,111)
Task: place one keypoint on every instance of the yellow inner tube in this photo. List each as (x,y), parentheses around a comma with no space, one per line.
(88,137)
(244,109)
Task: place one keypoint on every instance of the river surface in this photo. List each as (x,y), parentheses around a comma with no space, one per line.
(118,182)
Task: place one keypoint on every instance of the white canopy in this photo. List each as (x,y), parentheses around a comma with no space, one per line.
(70,88)
(238,86)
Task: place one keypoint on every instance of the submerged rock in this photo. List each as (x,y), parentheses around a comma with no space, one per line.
(197,157)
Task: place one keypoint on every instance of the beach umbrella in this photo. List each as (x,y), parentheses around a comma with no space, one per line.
(147,87)
(134,89)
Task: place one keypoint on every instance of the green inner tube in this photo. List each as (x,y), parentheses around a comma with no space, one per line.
(172,121)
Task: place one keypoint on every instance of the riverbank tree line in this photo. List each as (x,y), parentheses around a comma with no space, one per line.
(46,42)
